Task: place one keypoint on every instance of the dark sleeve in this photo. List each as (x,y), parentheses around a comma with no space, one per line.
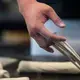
(49,1)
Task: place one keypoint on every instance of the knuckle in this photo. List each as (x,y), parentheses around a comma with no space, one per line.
(50,8)
(34,28)
(32,33)
(51,38)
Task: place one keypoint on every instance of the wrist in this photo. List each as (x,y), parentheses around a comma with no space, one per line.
(25,3)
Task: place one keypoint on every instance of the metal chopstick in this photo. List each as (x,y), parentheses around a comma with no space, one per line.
(67,50)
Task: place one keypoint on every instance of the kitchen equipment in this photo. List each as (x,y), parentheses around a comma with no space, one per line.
(68,51)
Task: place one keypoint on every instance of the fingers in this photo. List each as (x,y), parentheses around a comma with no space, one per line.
(49,49)
(48,35)
(43,43)
(55,18)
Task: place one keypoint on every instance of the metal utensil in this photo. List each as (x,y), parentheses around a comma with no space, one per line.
(68,51)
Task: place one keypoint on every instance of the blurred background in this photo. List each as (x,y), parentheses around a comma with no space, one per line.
(14,38)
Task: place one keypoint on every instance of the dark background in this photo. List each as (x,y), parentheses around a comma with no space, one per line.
(70,8)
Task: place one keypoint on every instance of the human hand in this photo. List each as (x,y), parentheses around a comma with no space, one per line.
(35,15)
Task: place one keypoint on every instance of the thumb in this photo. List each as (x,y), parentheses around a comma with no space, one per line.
(55,18)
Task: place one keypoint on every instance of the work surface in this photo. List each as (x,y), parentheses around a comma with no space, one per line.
(49,76)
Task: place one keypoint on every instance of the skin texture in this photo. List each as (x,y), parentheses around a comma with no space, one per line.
(35,15)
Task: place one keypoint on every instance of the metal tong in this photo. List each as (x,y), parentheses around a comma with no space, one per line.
(68,51)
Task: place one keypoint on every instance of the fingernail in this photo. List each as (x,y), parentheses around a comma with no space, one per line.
(64,39)
(62,24)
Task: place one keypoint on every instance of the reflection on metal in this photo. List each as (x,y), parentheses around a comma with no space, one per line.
(68,51)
